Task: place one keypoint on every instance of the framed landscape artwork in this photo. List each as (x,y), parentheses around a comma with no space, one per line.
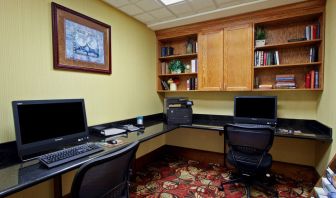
(80,42)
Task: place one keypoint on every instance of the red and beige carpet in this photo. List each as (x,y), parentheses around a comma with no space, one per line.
(172,178)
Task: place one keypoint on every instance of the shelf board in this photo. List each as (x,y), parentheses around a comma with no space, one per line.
(168,91)
(182,74)
(193,55)
(298,89)
(287,65)
(290,44)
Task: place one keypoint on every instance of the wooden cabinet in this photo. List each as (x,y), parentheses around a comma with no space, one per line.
(210,61)
(228,58)
(238,58)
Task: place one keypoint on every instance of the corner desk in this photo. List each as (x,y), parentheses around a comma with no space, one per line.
(21,175)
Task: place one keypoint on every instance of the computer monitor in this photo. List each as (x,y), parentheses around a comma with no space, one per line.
(45,125)
(255,109)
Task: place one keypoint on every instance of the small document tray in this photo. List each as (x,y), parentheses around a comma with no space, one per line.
(112,131)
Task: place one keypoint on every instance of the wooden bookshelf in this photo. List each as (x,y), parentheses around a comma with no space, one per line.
(179,44)
(294,57)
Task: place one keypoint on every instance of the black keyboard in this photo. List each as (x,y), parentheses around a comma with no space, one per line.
(69,154)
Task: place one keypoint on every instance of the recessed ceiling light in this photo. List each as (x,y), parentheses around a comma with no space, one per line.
(169,2)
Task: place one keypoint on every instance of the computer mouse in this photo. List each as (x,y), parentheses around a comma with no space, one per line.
(112,141)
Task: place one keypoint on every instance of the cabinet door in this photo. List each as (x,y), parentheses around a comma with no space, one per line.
(238,58)
(210,73)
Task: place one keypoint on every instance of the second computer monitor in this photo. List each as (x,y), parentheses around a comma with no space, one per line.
(255,109)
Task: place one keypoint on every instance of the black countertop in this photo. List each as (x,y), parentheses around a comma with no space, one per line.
(21,175)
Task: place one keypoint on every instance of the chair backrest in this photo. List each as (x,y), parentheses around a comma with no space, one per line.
(249,140)
(105,176)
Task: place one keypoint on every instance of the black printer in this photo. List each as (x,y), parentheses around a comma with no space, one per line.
(177,110)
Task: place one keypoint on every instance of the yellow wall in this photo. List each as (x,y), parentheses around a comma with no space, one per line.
(326,109)
(294,151)
(300,105)
(26,67)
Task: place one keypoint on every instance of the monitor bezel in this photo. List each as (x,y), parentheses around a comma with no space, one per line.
(34,149)
(256,120)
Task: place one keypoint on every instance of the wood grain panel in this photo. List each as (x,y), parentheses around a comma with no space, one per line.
(211,61)
(294,10)
(238,58)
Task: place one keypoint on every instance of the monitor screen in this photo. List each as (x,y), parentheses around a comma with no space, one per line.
(255,109)
(46,124)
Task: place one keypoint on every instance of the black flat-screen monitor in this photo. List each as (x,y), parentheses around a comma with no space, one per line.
(45,125)
(255,109)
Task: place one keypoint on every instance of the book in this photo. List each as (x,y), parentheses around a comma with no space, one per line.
(313,56)
(327,186)
(265,86)
(188,84)
(320,192)
(194,65)
(307,81)
(164,85)
(316,80)
(262,58)
(196,84)
(312,78)
(277,57)
(163,68)
(331,176)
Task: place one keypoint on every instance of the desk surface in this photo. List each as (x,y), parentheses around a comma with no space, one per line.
(23,175)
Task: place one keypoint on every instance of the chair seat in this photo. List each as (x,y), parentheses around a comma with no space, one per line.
(249,163)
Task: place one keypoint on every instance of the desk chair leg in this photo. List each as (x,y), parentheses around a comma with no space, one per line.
(267,188)
(248,191)
(232,181)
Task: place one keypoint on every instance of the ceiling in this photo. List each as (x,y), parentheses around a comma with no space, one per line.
(158,16)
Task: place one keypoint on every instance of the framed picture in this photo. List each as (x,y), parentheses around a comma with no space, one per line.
(80,42)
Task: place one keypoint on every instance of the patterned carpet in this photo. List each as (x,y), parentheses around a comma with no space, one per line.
(172,178)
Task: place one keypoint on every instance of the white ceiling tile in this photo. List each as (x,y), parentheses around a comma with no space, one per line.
(202,4)
(180,8)
(185,14)
(117,3)
(229,4)
(167,18)
(207,9)
(148,5)
(161,13)
(131,9)
(146,18)
(220,2)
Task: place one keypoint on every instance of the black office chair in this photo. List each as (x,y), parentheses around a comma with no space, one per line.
(248,153)
(105,176)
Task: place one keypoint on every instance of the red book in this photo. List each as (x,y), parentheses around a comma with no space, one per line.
(314,31)
(312,78)
(307,84)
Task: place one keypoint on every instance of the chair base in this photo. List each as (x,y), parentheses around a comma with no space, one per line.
(250,181)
